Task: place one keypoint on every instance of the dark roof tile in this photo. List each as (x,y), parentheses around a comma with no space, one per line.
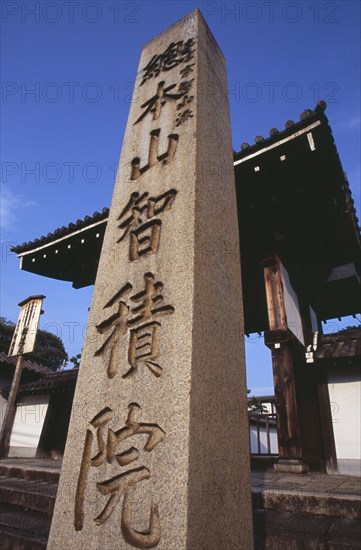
(29,365)
(61,231)
(345,344)
(50,383)
(289,124)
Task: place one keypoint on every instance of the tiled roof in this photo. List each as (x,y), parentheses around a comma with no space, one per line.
(50,383)
(308,117)
(62,231)
(29,365)
(345,344)
(291,127)
(275,135)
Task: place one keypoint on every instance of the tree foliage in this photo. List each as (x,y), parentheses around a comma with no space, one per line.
(49,349)
(75,360)
(255,406)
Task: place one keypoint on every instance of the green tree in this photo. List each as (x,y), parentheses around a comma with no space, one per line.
(49,349)
(255,406)
(75,360)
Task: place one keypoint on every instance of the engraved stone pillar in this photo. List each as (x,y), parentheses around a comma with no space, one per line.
(157,453)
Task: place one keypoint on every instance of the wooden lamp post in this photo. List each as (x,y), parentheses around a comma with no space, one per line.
(23,342)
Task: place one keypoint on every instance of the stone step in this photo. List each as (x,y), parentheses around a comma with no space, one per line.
(29,494)
(23,530)
(294,516)
(274,529)
(279,519)
(305,501)
(30,471)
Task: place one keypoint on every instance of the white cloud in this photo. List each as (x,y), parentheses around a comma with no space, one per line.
(11,205)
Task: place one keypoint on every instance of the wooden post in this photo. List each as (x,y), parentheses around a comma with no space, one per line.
(327,427)
(22,342)
(11,409)
(282,345)
(289,437)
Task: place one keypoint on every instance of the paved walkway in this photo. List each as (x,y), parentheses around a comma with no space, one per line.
(305,511)
(312,483)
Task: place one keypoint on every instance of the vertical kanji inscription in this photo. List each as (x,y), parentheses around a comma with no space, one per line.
(139,319)
(140,221)
(123,485)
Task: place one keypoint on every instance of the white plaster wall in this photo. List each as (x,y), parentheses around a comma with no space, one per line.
(263,439)
(294,321)
(344,387)
(5,381)
(28,424)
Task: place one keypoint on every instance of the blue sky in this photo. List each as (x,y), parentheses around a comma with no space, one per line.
(67,76)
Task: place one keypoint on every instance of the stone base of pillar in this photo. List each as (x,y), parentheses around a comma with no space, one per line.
(291,466)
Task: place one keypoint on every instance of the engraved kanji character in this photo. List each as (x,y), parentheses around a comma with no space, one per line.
(183,117)
(117,326)
(144,336)
(176,53)
(162,62)
(150,302)
(123,484)
(144,346)
(187,70)
(155,103)
(153,156)
(141,222)
(187,51)
(185,86)
(140,321)
(186,100)
(145,239)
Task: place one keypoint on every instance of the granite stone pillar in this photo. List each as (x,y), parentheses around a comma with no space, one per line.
(158,447)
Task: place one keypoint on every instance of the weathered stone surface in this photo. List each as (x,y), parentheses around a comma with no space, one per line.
(322,504)
(275,529)
(34,495)
(344,533)
(291,467)
(157,452)
(21,529)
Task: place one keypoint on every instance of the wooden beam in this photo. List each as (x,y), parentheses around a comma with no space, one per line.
(274,295)
(280,142)
(283,359)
